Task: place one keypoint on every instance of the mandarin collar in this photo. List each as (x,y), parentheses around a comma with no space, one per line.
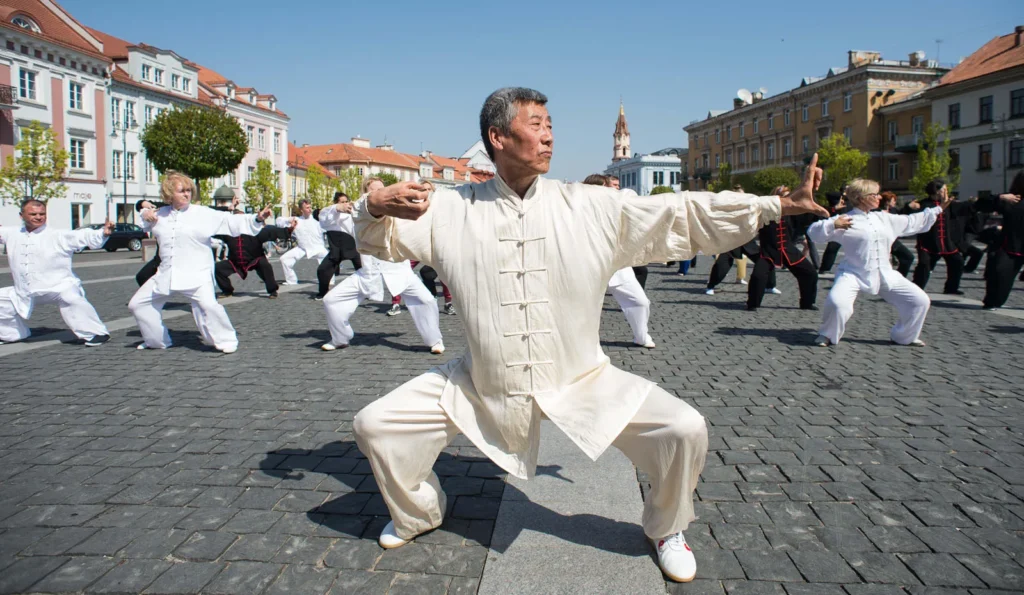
(506,192)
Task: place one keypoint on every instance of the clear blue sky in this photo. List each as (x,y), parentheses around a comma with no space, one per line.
(418,72)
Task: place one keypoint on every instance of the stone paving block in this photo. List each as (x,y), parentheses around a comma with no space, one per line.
(947,540)
(252,521)
(184,578)
(105,542)
(298,578)
(740,537)
(354,554)
(76,575)
(997,573)
(822,567)
(940,570)
(894,539)
(130,576)
(361,581)
(753,588)
(205,545)
(767,566)
(57,542)
(880,568)
(243,578)
(154,543)
(405,584)
(813,589)
(303,550)
(24,573)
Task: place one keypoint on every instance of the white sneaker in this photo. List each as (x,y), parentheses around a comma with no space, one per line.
(438,348)
(388,539)
(328,346)
(229,350)
(649,343)
(774,290)
(709,292)
(916,343)
(676,559)
(395,310)
(142,346)
(822,341)
(742,281)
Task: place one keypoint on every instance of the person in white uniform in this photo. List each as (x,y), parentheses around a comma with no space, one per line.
(529,260)
(40,262)
(368,283)
(310,239)
(867,236)
(626,288)
(183,232)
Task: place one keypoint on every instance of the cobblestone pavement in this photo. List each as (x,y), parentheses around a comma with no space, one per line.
(862,469)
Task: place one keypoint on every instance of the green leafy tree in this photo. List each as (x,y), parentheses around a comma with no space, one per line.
(205,188)
(769,178)
(840,162)
(661,190)
(933,160)
(724,179)
(388,179)
(350,182)
(261,189)
(197,141)
(37,168)
(319,188)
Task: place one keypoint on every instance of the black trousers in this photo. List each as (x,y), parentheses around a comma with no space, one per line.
(806,278)
(223,270)
(926,262)
(1000,274)
(904,256)
(973,255)
(829,257)
(148,270)
(641,275)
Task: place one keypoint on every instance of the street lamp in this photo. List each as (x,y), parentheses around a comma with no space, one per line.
(1003,130)
(124,128)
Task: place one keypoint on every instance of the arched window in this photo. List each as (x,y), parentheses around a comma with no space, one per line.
(26,23)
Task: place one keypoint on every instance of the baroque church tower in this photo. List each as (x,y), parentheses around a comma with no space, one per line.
(621,136)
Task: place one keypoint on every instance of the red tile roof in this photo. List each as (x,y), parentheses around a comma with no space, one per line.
(53,24)
(1001,53)
(344,153)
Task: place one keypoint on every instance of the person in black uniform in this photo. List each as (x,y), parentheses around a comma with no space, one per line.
(943,239)
(245,253)
(975,224)
(1007,259)
(904,256)
(341,244)
(724,261)
(836,203)
(780,248)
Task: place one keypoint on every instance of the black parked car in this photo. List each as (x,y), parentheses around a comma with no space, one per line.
(126,235)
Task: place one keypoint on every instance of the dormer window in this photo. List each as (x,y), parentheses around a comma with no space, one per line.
(26,23)
(147,72)
(175,81)
(252,98)
(186,84)
(426,171)
(273,105)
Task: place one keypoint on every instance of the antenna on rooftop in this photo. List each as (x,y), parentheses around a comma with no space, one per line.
(938,48)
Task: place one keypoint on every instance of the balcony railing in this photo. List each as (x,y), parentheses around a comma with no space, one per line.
(908,142)
(8,97)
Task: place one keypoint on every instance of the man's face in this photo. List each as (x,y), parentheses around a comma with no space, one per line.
(613,182)
(182,195)
(307,209)
(530,144)
(34,216)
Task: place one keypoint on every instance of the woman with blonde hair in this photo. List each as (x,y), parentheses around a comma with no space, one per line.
(866,236)
(183,233)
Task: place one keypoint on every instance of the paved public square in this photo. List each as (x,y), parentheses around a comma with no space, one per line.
(864,469)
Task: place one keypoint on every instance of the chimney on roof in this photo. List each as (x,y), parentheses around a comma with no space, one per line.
(386,147)
(304,145)
(361,142)
(737,103)
(1019,30)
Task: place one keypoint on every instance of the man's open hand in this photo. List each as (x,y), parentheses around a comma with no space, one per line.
(265,214)
(801,199)
(405,200)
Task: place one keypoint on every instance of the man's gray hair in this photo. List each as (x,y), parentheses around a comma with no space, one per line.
(305,201)
(501,108)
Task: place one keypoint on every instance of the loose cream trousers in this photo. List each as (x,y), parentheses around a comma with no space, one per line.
(403,433)
(211,318)
(911,304)
(635,305)
(290,258)
(341,302)
(76,311)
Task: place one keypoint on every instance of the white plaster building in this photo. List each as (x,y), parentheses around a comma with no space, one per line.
(641,173)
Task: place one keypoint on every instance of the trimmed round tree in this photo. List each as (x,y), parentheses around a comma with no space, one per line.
(200,142)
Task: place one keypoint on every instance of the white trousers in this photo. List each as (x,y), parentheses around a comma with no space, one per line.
(911,304)
(403,432)
(293,256)
(635,305)
(211,318)
(343,299)
(76,311)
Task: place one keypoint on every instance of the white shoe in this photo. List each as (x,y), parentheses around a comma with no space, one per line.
(229,350)
(742,281)
(388,539)
(328,346)
(395,310)
(709,292)
(438,348)
(288,283)
(649,343)
(822,341)
(774,290)
(142,346)
(916,343)
(676,559)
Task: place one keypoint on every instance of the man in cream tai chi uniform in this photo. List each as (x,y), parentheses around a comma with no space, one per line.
(866,236)
(40,261)
(367,283)
(183,232)
(310,239)
(529,260)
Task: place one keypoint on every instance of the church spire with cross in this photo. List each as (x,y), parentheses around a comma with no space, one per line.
(620,150)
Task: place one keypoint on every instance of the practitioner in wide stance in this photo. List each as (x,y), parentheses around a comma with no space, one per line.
(942,240)
(336,222)
(183,232)
(626,288)
(40,262)
(1007,257)
(780,247)
(529,260)
(310,239)
(245,253)
(866,236)
(368,284)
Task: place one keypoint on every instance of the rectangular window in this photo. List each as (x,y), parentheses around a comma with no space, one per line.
(706,139)
(848,102)
(728,156)
(1016,147)
(728,132)
(769,151)
(27,85)
(755,154)
(116,163)
(150,172)
(771,121)
(129,166)
(806,144)
(232,179)
(954,159)
(954,115)
(262,136)
(186,85)
(848,133)
(659,178)
(893,130)
(249,173)
(755,125)
(894,170)
(805,113)
(115,110)
(718,161)
(824,107)
(158,76)
(175,81)
(718,136)
(742,129)
(277,142)
(985,110)
(75,96)
(77,157)
(249,132)
(785,117)
(129,114)
(917,125)
(985,156)
(147,114)
(742,153)
(787,147)
(1017,103)
(147,72)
